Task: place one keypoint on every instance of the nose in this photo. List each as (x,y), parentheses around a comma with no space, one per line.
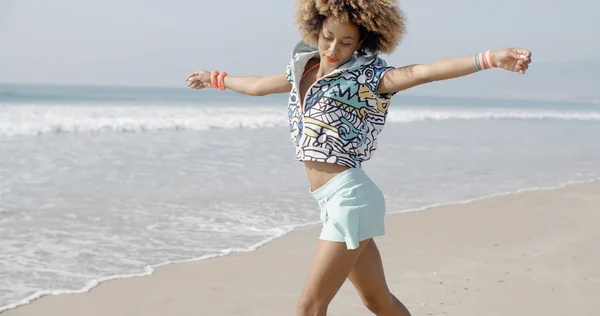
(335,47)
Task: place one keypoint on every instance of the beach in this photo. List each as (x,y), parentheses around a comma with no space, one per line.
(130,186)
(528,253)
(102,186)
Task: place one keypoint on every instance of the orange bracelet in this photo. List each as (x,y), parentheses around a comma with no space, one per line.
(213,78)
(489,59)
(222,81)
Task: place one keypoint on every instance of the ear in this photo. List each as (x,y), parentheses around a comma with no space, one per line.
(360,43)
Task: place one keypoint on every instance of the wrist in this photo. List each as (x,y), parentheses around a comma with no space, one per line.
(494,56)
(485,60)
(217,80)
(221,81)
(214,77)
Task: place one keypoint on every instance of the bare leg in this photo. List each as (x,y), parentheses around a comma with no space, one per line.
(369,280)
(330,267)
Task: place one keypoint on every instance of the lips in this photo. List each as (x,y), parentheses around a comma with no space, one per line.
(331,59)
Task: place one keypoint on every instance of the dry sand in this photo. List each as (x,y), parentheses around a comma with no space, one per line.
(532,253)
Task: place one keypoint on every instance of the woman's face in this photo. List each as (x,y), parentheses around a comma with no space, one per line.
(337,42)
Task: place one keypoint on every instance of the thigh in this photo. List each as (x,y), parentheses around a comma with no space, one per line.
(329,269)
(367,274)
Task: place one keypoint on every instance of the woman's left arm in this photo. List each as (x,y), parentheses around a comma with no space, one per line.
(511,59)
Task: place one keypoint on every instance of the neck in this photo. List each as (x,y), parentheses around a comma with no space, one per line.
(324,70)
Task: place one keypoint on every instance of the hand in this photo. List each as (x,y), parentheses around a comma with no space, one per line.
(512,59)
(199,80)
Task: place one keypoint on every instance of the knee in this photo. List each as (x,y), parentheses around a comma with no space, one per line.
(378,304)
(311,306)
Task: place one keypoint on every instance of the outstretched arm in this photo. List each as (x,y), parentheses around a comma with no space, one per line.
(511,59)
(249,85)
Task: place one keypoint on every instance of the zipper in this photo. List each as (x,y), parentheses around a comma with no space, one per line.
(297,83)
(303,101)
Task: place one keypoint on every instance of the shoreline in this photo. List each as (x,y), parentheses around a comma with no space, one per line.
(151,270)
(540,97)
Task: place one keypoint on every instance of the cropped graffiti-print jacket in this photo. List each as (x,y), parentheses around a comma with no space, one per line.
(342,113)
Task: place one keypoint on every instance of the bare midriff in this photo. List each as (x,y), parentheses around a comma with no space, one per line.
(320,173)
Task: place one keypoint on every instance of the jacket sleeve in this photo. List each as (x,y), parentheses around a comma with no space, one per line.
(378,68)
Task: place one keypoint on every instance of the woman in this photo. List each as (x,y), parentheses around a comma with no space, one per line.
(339,96)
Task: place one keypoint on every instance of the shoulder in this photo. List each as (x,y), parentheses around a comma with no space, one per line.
(371,73)
(379,62)
(375,66)
(379,66)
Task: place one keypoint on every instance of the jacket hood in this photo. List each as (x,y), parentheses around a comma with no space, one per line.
(302,50)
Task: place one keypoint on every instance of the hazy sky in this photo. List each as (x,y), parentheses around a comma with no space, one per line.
(157,43)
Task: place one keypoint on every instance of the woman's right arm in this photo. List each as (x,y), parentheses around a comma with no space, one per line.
(249,85)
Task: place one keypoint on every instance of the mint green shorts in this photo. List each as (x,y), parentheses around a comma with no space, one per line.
(352,208)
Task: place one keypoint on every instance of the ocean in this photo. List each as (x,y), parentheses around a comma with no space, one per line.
(98,183)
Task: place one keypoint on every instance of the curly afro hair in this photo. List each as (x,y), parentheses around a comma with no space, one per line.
(381,22)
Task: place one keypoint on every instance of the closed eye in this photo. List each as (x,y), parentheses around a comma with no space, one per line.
(331,39)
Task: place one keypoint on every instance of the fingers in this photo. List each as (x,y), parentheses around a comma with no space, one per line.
(191,81)
(522,66)
(523,58)
(197,85)
(524,52)
(193,74)
(516,54)
(197,80)
(519,53)
(194,83)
